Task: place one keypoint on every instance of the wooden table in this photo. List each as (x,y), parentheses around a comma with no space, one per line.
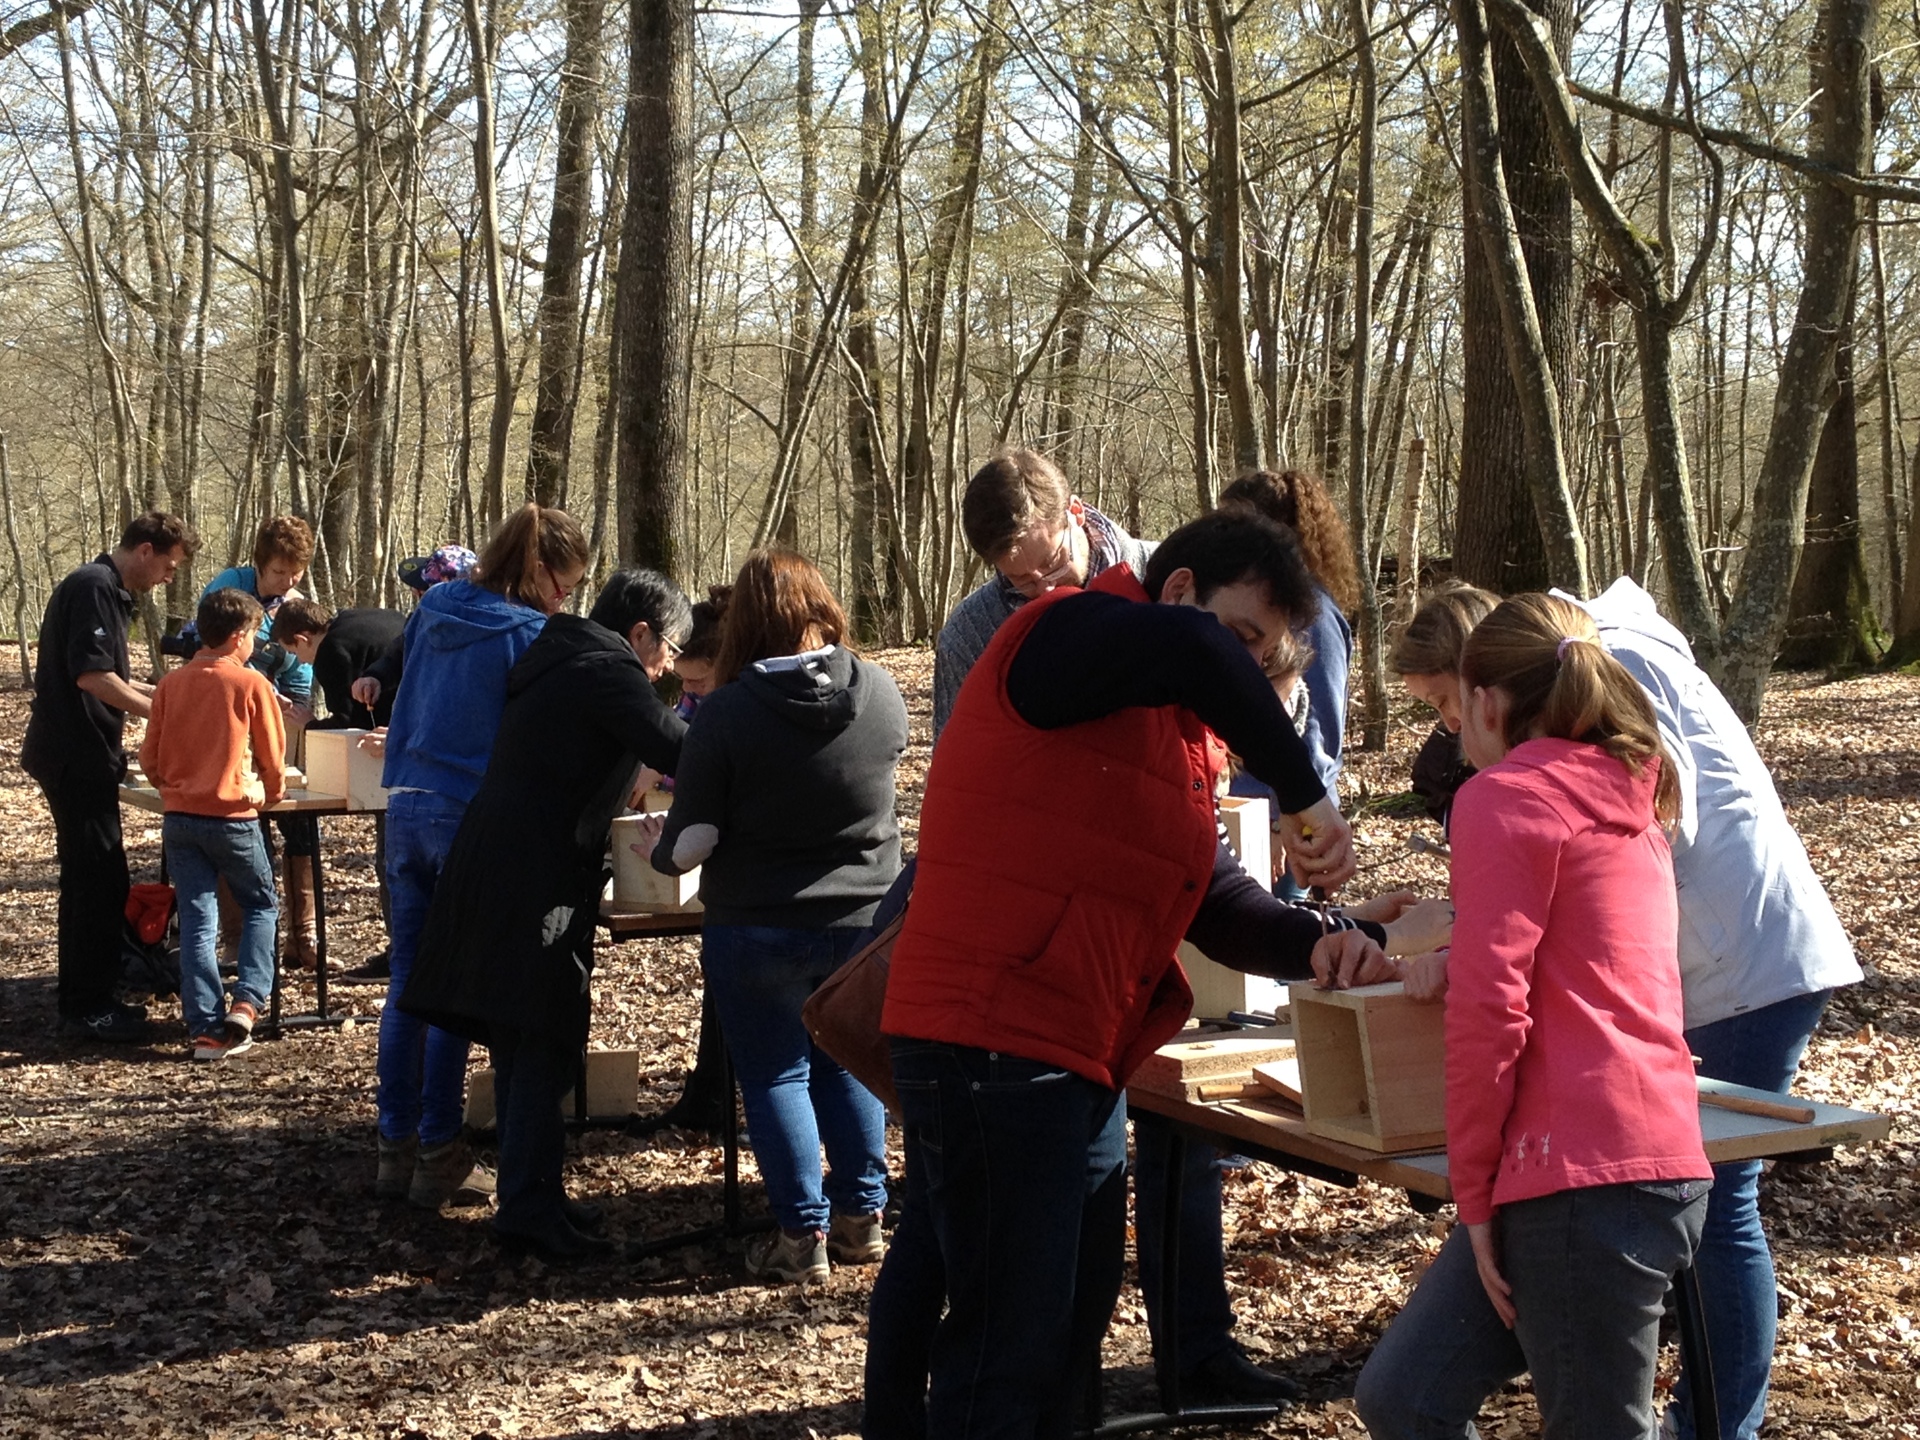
(1276,1132)
(1273,1125)
(312,804)
(627,924)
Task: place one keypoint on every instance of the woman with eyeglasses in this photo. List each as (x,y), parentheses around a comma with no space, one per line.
(508,946)
(460,642)
(784,796)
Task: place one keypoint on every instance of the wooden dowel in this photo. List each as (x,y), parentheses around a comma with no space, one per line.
(1766,1109)
(1231,1090)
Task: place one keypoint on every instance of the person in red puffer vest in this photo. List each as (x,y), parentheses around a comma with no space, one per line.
(1068,842)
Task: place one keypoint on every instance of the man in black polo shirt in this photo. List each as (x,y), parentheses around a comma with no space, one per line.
(83,691)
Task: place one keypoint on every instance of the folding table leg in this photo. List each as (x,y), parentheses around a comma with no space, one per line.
(1695,1358)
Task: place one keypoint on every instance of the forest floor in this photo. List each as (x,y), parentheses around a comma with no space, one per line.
(197,1251)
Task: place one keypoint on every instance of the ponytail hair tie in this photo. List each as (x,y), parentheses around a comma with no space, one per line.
(1560,650)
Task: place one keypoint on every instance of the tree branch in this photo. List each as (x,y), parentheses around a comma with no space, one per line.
(34,26)
(1867,187)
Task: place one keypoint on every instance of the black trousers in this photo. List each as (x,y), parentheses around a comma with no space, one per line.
(529,1078)
(93,890)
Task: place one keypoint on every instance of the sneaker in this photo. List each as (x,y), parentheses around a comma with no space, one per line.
(241,1016)
(221,1047)
(114,1023)
(856,1240)
(797,1259)
(390,1182)
(377,971)
(447,1175)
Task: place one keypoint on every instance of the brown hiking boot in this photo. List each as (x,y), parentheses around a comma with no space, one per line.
(302,918)
(396,1167)
(856,1240)
(447,1175)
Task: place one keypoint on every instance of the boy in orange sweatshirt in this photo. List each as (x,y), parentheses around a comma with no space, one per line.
(214,749)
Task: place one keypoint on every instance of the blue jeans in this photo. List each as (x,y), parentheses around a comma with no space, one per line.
(1589,1271)
(422,1069)
(1762,1049)
(1025,1173)
(1202,1312)
(201,851)
(903,1315)
(795,1095)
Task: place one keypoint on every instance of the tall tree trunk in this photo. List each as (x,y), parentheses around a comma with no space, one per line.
(1372,629)
(1412,493)
(1892,484)
(110,363)
(952,237)
(655,272)
(1830,620)
(550,440)
(1225,258)
(482,39)
(1648,273)
(1842,126)
(793,407)
(294,425)
(864,460)
(19,567)
(1530,363)
(1500,525)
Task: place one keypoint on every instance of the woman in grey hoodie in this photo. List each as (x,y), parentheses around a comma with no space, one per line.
(784,796)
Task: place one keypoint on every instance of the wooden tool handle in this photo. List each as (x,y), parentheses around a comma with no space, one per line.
(1231,1090)
(1767,1109)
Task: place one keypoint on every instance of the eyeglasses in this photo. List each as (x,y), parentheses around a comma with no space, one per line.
(674,652)
(560,592)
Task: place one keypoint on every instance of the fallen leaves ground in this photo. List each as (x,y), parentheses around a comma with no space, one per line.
(196,1251)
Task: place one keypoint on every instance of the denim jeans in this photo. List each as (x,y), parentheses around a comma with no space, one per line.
(903,1314)
(529,1079)
(795,1095)
(1202,1310)
(1024,1166)
(1589,1270)
(201,851)
(1761,1048)
(422,1069)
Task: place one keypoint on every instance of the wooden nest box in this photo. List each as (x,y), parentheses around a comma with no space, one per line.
(336,765)
(637,885)
(1372,1067)
(613,1090)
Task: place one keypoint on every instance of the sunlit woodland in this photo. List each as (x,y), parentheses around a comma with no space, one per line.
(1547,295)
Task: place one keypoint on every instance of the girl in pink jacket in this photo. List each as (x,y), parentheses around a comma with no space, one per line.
(1573,1131)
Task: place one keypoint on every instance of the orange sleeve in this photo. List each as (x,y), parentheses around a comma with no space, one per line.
(269,735)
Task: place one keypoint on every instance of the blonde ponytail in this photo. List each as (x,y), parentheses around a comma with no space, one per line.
(1545,654)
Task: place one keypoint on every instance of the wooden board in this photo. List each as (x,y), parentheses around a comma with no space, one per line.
(624,924)
(1280,1079)
(637,885)
(1372,1066)
(1272,1125)
(147,798)
(1185,1063)
(337,765)
(1217,990)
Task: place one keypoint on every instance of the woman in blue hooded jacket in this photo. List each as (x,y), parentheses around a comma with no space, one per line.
(461,642)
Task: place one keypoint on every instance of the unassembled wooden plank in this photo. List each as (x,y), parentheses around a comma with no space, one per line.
(1182,1065)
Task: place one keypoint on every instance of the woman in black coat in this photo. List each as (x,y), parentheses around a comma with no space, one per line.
(508,948)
